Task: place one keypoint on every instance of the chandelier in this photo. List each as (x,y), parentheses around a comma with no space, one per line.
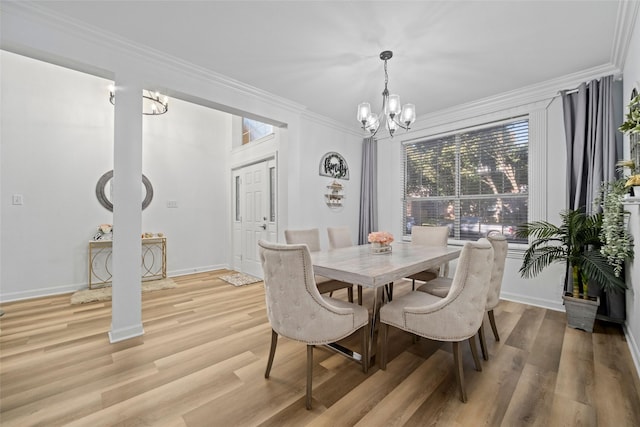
(392,114)
(153,104)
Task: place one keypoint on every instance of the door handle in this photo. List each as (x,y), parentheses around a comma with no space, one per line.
(264,226)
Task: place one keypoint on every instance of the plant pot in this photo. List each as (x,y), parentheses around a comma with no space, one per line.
(581,313)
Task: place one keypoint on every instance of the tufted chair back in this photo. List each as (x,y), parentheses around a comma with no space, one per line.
(429,236)
(339,237)
(500,248)
(294,305)
(455,318)
(310,237)
(459,315)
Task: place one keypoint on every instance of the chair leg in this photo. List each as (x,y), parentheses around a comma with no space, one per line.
(359,295)
(474,353)
(365,348)
(413,284)
(457,361)
(309,373)
(350,294)
(483,342)
(272,352)
(384,334)
(492,320)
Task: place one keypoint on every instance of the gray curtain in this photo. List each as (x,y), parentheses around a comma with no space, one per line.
(591,119)
(368,190)
(591,132)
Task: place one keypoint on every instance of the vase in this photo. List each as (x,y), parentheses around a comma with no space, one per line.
(380,248)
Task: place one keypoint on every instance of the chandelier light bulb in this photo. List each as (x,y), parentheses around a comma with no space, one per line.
(394,105)
(364,110)
(408,115)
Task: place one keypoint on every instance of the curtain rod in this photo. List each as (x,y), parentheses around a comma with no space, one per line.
(616,78)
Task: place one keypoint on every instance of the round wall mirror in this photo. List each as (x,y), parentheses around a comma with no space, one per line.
(104,191)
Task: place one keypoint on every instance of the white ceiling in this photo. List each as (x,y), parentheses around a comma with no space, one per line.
(325,54)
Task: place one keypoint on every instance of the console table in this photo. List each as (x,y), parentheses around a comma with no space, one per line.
(153,264)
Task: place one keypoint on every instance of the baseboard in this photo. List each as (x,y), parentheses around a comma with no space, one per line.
(67,289)
(42,292)
(125,333)
(537,302)
(186,271)
(633,347)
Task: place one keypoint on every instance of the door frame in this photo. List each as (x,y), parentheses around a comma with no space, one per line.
(271,161)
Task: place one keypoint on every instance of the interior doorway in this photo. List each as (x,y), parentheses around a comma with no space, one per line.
(254,213)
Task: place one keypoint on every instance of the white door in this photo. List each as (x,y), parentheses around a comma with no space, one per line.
(254,214)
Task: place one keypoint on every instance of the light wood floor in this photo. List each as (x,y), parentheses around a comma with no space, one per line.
(201,362)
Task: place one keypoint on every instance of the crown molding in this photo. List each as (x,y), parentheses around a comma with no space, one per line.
(529,95)
(331,123)
(625,22)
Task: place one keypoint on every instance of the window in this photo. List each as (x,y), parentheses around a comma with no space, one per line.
(272,194)
(473,181)
(252,130)
(237,201)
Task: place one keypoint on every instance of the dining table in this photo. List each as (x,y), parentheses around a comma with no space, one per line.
(362,266)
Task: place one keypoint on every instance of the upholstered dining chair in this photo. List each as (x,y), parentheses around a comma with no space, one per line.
(340,237)
(429,236)
(311,238)
(454,318)
(297,311)
(440,287)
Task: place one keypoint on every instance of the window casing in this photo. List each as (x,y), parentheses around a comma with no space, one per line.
(475,180)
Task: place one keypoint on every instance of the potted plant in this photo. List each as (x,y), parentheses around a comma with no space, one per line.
(575,243)
(617,243)
(632,119)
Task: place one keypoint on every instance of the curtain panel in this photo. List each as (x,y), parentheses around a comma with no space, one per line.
(368,190)
(591,132)
(591,120)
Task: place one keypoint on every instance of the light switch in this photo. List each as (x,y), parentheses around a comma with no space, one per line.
(17,199)
(172,203)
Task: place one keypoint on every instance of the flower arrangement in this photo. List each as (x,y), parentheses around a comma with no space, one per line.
(382,237)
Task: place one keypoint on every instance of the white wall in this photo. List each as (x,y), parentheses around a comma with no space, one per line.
(631,76)
(307,188)
(57,140)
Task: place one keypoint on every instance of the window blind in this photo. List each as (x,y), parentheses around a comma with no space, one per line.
(475,180)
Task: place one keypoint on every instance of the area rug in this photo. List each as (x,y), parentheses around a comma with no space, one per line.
(104,294)
(240,279)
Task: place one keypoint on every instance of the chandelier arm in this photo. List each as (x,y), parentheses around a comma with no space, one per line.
(394,119)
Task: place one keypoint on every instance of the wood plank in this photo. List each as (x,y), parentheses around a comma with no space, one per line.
(201,362)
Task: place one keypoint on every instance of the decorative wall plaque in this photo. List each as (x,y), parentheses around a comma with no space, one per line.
(334,166)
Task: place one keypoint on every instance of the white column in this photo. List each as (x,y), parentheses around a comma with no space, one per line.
(126,311)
